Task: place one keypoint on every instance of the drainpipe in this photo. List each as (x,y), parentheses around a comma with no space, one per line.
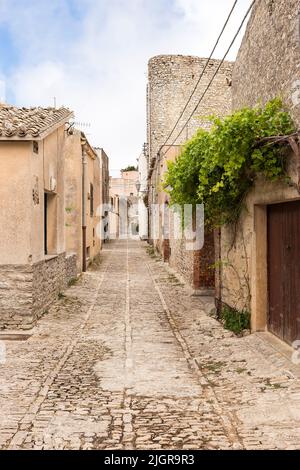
(84,192)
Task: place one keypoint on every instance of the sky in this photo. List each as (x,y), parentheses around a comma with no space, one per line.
(92,55)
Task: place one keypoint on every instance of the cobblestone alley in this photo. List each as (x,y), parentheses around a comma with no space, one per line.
(128,359)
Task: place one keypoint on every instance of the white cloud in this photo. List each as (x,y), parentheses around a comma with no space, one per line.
(101,71)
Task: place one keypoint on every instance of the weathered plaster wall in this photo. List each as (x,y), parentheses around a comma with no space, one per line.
(15,202)
(45,166)
(73,196)
(238,247)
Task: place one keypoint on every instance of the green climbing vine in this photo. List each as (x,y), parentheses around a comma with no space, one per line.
(218,167)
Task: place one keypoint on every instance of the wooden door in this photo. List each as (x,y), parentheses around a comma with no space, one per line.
(284,270)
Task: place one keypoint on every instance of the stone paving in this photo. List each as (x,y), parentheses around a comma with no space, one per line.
(128,359)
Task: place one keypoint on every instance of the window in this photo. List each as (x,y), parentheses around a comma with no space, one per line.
(91,200)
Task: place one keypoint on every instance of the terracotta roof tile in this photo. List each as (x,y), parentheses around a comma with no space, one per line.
(29,123)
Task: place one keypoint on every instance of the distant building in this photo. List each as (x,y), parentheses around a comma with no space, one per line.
(126,185)
(124,200)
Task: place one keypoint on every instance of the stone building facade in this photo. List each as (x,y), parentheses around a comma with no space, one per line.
(76,146)
(34,267)
(171,80)
(267,66)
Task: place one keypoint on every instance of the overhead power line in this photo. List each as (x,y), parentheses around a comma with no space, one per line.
(202,73)
(210,82)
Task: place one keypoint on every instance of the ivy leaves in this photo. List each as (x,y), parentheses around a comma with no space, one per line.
(218,167)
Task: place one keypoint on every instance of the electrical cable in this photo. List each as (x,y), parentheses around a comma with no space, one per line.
(202,73)
(210,82)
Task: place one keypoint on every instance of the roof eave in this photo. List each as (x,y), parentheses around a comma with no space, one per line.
(41,136)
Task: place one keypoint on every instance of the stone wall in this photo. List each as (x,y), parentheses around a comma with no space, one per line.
(16,296)
(182,260)
(171,79)
(27,291)
(71,267)
(267,66)
(195,266)
(48,280)
(204,260)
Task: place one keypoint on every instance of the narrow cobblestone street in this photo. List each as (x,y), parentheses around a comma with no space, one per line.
(128,359)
